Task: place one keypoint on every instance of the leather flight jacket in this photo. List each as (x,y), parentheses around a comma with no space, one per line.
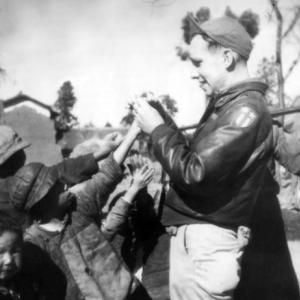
(216,175)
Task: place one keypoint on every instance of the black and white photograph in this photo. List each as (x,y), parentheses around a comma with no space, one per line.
(149,150)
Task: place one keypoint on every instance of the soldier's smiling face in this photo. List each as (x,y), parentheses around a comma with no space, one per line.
(209,66)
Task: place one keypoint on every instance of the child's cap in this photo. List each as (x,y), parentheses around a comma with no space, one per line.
(228,32)
(10,143)
(30,184)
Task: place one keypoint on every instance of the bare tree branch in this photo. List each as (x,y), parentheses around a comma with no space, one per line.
(293,23)
(293,65)
(278,60)
(160,3)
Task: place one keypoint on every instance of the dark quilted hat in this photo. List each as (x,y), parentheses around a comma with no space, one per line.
(30,184)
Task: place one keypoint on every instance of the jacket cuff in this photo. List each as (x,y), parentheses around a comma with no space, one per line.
(159,132)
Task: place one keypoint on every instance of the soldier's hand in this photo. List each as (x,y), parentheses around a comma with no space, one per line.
(146,116)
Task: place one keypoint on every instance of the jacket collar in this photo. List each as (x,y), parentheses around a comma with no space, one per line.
(226,94)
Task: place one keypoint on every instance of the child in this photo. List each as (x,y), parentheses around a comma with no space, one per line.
(114,221)
(12,285)
(66,228)
(70,171)
(10,255)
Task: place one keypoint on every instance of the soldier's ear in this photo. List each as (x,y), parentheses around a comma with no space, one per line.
(228,58)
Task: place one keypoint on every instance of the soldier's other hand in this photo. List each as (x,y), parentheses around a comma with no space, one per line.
(146,116)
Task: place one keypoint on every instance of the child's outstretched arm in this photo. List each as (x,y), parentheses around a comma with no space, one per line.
(111,142)
(97,190)
(95,185)
(122,151)
(76,170)
(118,215)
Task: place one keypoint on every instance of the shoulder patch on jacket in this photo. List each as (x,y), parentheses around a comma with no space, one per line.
(245,117)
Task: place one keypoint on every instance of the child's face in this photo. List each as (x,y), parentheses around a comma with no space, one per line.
(10,255)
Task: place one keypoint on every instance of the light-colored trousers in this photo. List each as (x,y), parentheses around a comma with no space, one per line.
(204,262)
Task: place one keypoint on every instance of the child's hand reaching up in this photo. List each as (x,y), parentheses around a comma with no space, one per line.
(142,174)
(141,179)
(135,162)
(112,141)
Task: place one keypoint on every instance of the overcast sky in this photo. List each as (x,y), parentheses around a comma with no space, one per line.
(110,49)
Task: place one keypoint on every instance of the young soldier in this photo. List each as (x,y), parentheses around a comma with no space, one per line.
(216,176)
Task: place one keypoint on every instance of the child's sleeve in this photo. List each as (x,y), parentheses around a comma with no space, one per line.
(75,170)
(95,192)
(116,219)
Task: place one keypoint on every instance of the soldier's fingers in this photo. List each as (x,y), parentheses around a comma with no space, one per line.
(141,102)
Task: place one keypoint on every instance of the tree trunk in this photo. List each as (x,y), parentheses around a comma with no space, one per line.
(278,60)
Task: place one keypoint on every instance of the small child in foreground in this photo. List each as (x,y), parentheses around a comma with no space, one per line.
(11,248)
(66,227)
